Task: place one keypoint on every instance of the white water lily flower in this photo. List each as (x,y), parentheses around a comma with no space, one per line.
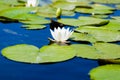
(61,34)
(32,3)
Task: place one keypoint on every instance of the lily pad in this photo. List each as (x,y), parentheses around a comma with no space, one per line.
(10,2)
(33,27)
(96,9)
(104,51)
(64,5)
(100,16)
(32,54)
(100,34)
(110,51)
(83,21)
(38,20)
(86,51)
(83,37)
(15,11)
(107,72)
(107,1)
(113,25)
(48,11)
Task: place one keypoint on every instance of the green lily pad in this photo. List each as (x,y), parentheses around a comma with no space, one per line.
(83,21)
(104,51)
(107,72)
(100,16)
(10,2)
(31,54)
(86,51)
(64,5)
(33,27)
(34,20)
(96,9)
(113,25)
(83,37)
(3,6)
(110,51)
(100,34)
(107,1)
(15,11)
(48,11)
(116,18)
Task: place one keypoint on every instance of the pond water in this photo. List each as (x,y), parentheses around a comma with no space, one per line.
(12,34)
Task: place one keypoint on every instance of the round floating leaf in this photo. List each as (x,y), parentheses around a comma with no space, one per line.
(36,21)
(107,72)
(86,51)
(113,25)
(96,9)
(15,11)
(10,2)
(107,1)
(46,11)
(100,34)
(100,16)
(64,5)
(110,51)
(3,6)
(104,51)
(83,21)
(83,37)
(31,54)
(99,51)
(32,27)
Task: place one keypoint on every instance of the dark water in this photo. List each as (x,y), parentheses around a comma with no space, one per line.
(12,34)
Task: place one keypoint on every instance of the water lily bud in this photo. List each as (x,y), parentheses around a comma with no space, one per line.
(58,13)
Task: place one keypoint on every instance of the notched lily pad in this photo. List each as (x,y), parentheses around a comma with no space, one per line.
(107,72)
(32,54)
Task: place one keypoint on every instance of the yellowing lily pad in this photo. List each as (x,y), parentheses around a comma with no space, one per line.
(106,72)
(31,54)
